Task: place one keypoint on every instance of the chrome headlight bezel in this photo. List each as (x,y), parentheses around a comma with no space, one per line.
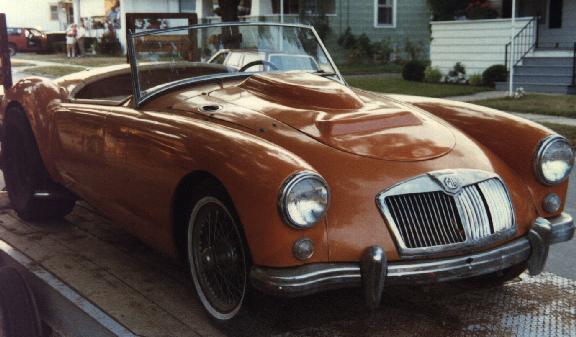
(289,184)
(544,145)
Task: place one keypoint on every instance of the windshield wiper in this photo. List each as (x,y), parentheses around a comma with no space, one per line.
(324,73)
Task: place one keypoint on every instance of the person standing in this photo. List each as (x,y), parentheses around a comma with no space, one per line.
(71,33)
(80,38)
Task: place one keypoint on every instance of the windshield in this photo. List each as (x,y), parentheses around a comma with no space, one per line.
(164,58)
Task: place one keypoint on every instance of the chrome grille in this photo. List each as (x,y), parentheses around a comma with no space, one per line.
(431,213)
(426,219)
(497,200)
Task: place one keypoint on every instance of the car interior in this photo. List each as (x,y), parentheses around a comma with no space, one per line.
(116,88)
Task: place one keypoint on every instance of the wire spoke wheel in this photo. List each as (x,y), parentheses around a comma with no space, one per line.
(217,258)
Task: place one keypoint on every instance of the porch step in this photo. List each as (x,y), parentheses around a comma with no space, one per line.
(543,70)
(548,61)
(552,52)
(544,79)
(539,87)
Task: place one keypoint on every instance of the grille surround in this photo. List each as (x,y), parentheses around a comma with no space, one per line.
(481,199)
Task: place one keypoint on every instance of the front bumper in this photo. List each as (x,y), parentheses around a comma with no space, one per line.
(373,272)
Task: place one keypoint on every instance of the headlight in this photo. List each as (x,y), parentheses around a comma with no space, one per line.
(304,200)
(554,160)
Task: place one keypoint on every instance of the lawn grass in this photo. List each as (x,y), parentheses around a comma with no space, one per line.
(53,71)
(400,86)
(88,61)
(565,130)
(360,69)
(557,105)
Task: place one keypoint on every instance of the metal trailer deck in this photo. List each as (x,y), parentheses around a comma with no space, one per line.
(90,278)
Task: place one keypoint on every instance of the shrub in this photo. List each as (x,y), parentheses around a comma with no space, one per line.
(432,75)
(414,71)
(412,49)
(363,43)
(475,80)
(347,40)
(496,73)
(383,52)
(457,74)
(354,56)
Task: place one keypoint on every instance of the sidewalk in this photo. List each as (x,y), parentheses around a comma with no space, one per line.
(479,96)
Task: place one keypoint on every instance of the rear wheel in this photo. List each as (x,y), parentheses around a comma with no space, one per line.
(33,194)
(217,254)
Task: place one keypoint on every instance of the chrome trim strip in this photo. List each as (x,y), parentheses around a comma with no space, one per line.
(466,198)
(448,269)
(312,278)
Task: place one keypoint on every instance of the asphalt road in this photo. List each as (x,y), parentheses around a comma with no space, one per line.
(562,256)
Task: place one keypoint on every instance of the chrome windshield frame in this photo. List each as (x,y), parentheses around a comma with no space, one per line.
(140,99)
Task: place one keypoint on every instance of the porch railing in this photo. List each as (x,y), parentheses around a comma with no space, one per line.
(574,66)
(525,41)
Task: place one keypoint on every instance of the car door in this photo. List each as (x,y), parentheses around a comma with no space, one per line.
(78,146)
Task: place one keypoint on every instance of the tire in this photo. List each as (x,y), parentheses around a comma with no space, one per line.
(496,279)
(216,253)
(18,312)
(25,174)
(12,48)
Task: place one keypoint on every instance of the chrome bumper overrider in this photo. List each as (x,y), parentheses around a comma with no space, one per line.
(374,272)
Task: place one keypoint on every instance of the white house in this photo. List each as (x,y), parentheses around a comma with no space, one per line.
(542,52)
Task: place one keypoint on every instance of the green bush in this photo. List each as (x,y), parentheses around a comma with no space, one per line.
(363,43)
(496,73)
(475,80)
(414,71)
(457,74)
(432,75)
(383,51)
(354,56)
(412,50)
(347,40)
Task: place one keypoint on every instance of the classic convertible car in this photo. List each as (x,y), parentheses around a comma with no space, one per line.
(287,181)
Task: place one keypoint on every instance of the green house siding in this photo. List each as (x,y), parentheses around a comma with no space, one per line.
(412,22)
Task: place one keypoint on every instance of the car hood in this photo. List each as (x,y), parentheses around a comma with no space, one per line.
(359,123)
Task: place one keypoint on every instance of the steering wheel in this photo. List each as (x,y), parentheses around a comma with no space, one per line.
(256,63)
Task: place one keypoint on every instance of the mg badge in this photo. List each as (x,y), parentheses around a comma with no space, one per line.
(451,183)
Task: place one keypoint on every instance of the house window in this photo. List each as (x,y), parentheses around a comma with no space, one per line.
(188,6)
(385,13)
(309,7)
(54,12)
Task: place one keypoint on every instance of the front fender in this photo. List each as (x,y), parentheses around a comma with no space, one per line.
(513,139)
(161,149)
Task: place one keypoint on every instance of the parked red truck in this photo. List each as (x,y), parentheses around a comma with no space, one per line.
(22,39)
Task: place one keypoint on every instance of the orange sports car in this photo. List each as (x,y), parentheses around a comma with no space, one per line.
(284,179)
